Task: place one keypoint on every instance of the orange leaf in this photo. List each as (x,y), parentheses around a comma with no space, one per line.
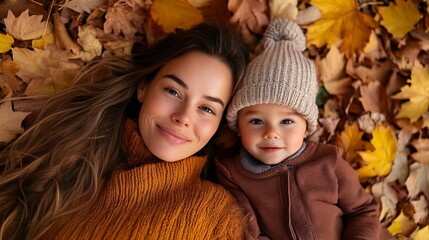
(175,14)
(350,139)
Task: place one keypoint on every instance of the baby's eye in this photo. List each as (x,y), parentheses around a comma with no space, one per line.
(172,92)
(286,121)
(208,110)
(256,121)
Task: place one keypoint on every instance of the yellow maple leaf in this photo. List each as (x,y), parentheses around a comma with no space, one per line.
(350,139)
(422,234)
(10,121)
(406,11)
(43,41)
(378,162)
(341,19)
(183,15)
(6,42)
(418,94)
(402,225)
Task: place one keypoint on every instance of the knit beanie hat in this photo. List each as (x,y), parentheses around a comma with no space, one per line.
(281,75)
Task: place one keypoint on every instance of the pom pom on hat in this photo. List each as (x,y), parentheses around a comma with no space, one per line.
(281,75)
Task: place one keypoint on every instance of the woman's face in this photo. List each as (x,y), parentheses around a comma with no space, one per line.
(183,105)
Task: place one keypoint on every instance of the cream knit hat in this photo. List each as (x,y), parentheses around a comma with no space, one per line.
(281,74)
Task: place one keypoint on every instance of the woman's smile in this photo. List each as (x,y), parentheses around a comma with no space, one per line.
(172,135)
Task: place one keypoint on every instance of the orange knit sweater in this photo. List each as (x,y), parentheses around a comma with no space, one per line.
(155,200)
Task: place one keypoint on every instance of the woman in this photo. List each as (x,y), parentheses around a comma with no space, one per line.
(118,156)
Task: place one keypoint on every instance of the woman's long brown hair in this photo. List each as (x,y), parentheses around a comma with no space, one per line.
(56,167)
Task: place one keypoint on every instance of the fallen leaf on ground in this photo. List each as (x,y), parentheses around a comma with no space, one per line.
(251,14)
(341,19)
(402,225)
(404,10)
(417,93)
(122,19)
(373,97)
(89,42)
(26,27)
(81,6)
(421,212)
(184,15)
(379,161)
(10,121)
(286,9)
(6,42)
(350,139)
(418,180)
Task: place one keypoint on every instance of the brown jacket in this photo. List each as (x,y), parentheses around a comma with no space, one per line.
(316,195)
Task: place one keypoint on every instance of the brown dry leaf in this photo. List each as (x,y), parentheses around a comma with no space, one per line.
(373,49)
(400,169)
(418,180)
(286,9)
(5,89)
(373,97)
(26,27)
(250,14)
(10,121)
(422,150)
(9,69)
(200,3)
(402,225)
(331,72)
(368,121)
(341,19)
(329,124)
(330,109)
(421,215)
(377,71)
(388,198)
(89,42)
(417,93)
(407,56)
(81,6)
(51,68)
(404,10)
(183,16)
(122,19)
(350,139)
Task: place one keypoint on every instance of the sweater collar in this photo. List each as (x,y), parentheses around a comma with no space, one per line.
(138,154)
(256,166)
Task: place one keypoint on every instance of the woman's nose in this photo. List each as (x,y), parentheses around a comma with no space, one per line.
(182,116)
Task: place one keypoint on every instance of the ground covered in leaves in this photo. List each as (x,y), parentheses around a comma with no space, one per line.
(371,57)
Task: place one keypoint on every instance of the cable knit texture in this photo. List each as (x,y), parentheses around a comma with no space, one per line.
(281,74)
(155,200)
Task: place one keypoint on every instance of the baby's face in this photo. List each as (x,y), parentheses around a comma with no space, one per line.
(270,132)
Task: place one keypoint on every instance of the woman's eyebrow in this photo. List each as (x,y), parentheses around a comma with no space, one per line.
(183,84)
(214,99)
(177,80)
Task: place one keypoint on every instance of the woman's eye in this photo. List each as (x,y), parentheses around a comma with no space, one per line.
(207,109)
(256,121)
(172,92)
(286,121)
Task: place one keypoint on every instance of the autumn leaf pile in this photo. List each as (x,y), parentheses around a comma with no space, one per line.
(371,57)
